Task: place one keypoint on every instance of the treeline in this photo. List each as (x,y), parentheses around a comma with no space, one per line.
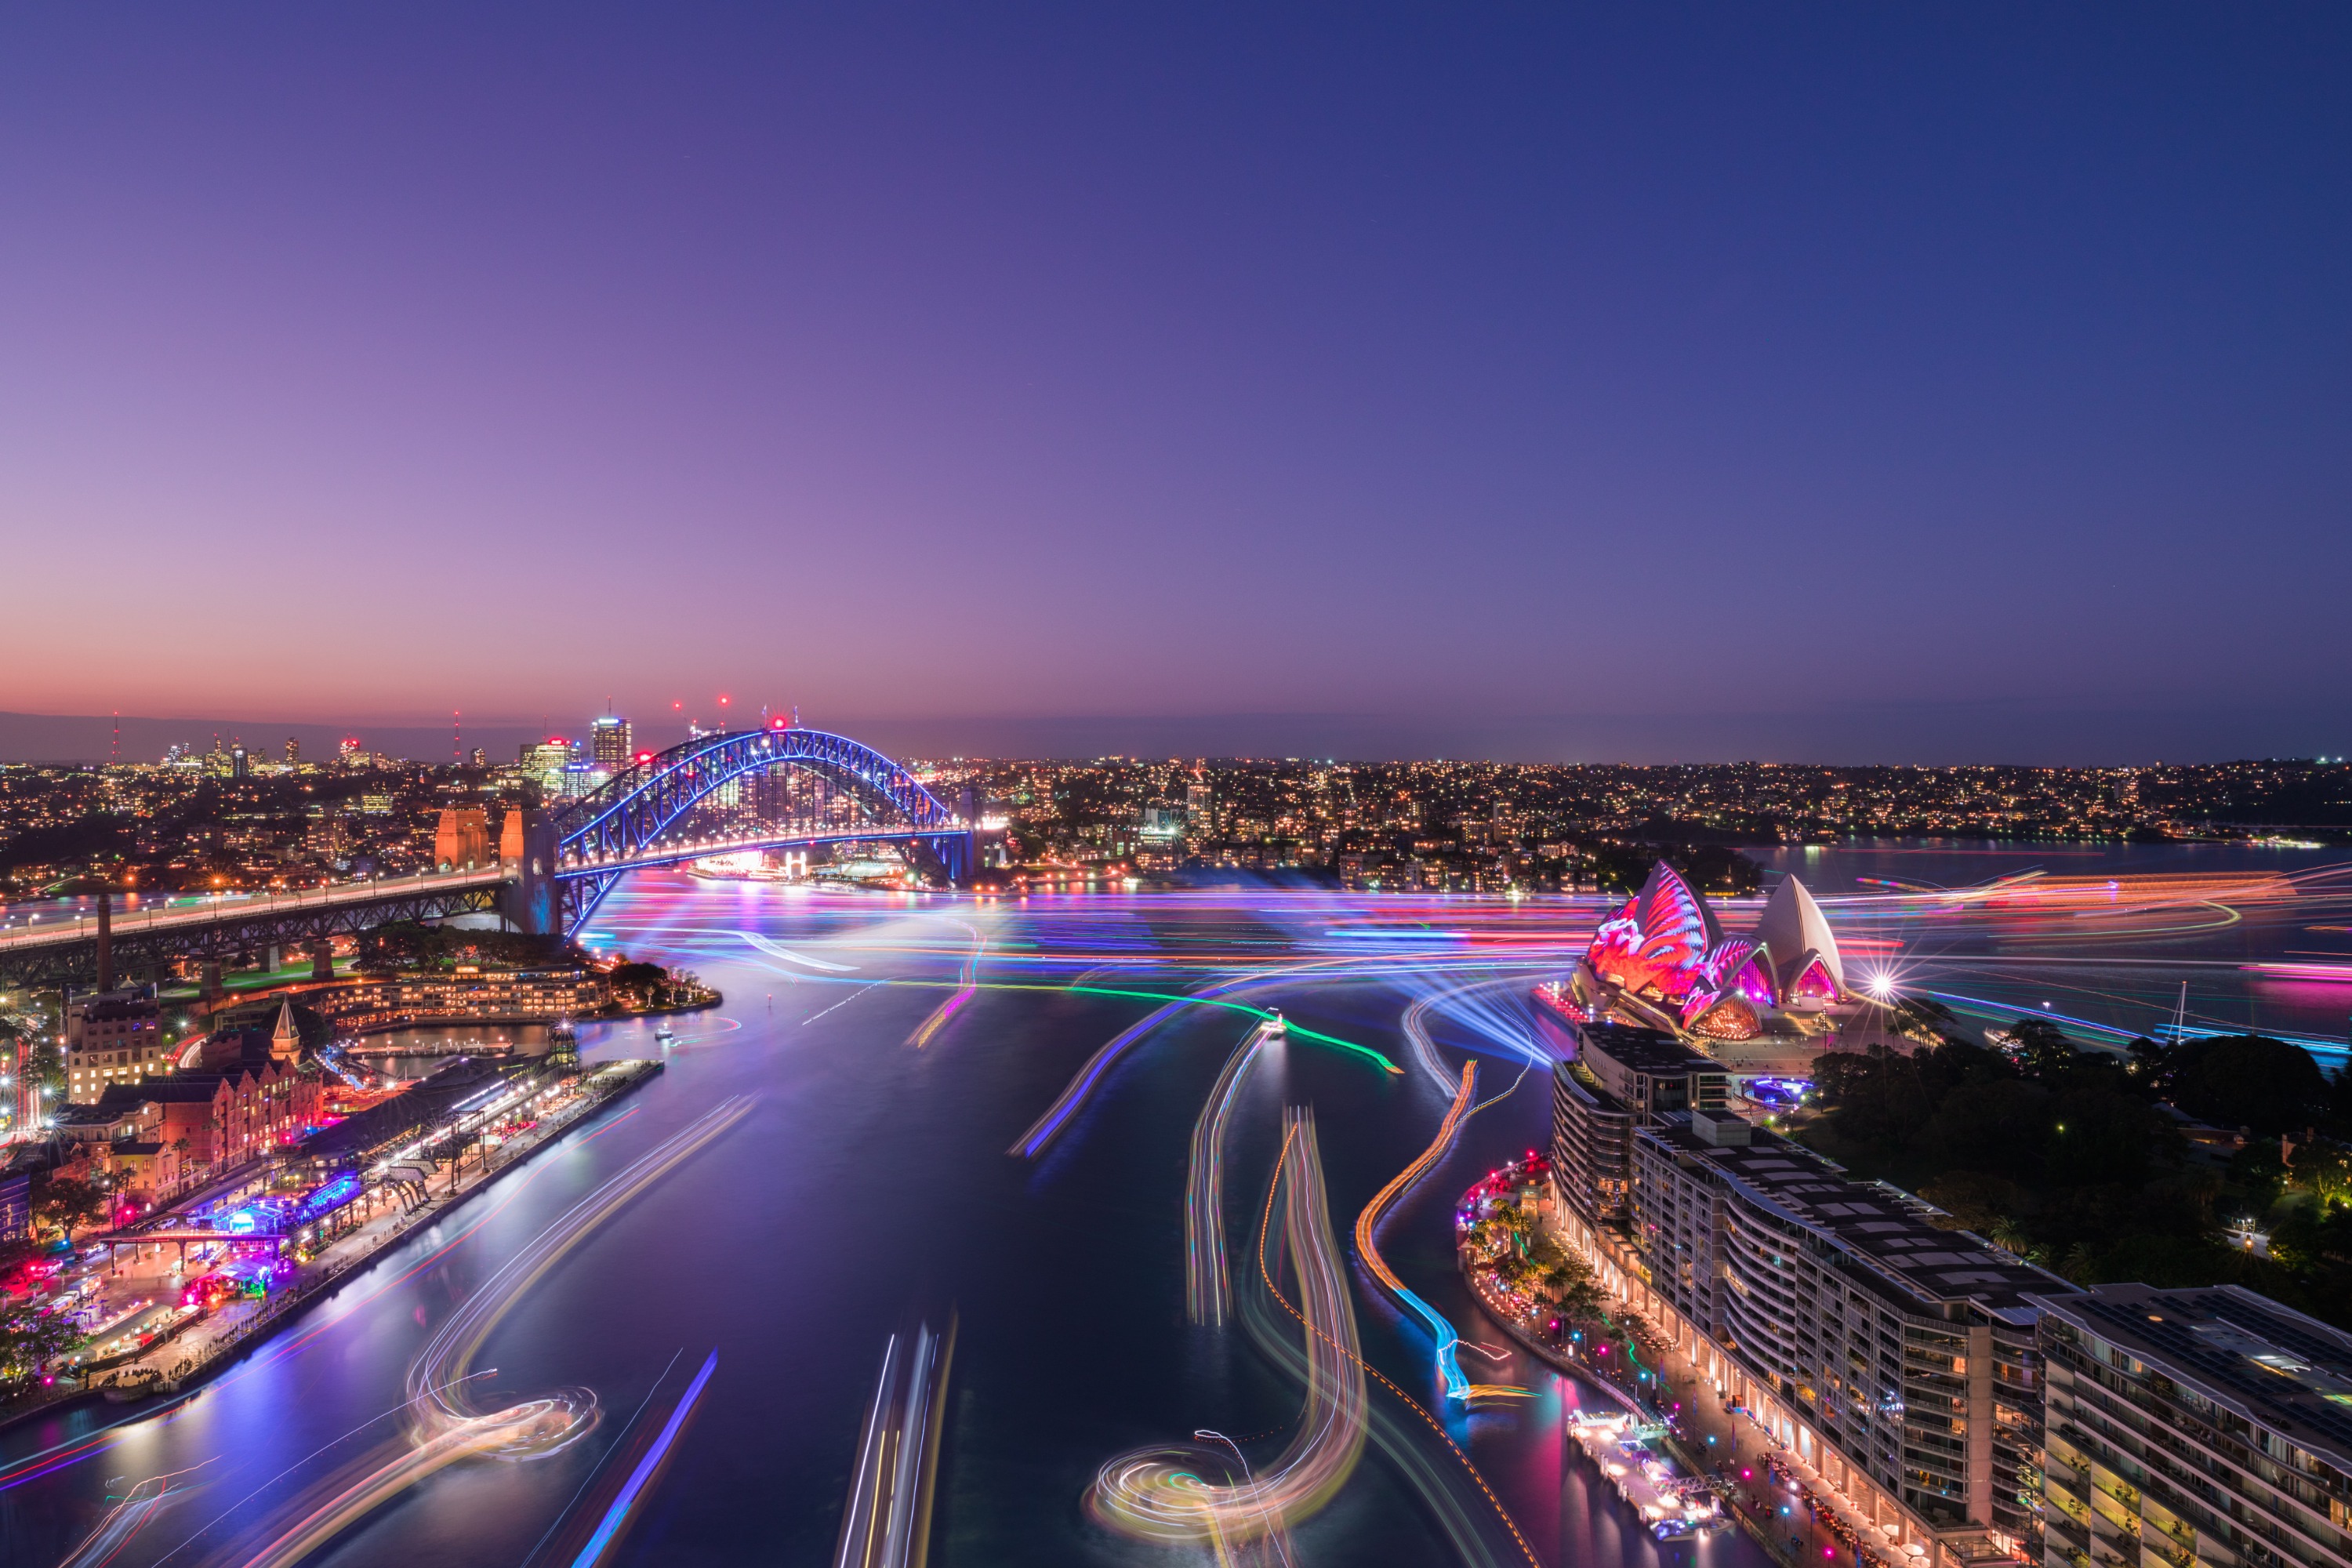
(411,945)
(1716,868)
(2071,1158)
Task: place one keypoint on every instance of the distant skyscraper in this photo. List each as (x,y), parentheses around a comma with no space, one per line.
(293,751)
(546,759)
(480,756)
(239,765)
(608,744)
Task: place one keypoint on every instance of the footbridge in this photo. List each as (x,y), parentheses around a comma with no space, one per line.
(573,856)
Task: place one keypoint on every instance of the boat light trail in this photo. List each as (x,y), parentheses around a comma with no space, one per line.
(1449,1363)
(1208,1286)
(948,1009)
(618,1514)
(446,1427)
(1046,1128)
(886,1522)
(775,951)
(1161,1494)
(1274,1293)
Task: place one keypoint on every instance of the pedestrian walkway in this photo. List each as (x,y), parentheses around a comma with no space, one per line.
(200,1344)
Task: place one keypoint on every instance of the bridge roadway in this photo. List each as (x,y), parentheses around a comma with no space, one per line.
(48,952)
(571,858)
(64,952)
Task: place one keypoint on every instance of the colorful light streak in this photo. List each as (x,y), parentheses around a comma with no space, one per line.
(774,950)
(1208,1285)
(616,1516)
(446,1427)
(886,1521)
(1159,1495)
(123,1523)
(2324,974)
(1449,1361)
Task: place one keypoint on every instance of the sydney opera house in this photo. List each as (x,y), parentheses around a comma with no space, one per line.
(1663,961)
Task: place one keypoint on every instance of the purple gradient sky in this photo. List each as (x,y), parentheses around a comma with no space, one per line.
(1970,383)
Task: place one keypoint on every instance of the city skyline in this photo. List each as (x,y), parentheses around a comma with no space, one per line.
(1904,735)
(1900,388)
(1116,786)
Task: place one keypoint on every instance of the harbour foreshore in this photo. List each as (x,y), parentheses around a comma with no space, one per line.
(1646,1359)
(178,1363)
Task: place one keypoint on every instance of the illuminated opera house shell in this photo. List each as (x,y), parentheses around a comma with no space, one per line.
(1665,956)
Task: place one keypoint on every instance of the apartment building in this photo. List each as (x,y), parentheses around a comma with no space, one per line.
(1613,1081)
(112,1037)
(469,992)
(1896,1357)
(2194,1428)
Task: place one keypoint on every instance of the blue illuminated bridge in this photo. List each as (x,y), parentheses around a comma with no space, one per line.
(571,858)
(641,817)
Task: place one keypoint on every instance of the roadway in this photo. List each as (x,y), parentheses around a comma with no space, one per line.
(164,916)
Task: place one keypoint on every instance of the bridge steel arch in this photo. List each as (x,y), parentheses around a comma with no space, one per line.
(618,829)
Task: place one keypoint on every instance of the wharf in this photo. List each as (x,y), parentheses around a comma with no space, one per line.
(198,1349)
(1742,1465)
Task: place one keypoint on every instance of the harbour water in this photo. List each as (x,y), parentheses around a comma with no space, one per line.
(891,1049)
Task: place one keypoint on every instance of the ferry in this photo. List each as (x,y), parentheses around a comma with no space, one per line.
(1274,1027)
(1673,1507)
(663,1036)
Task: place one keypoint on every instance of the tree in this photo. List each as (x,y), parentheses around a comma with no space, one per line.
(643,981)
(1876,1096)
(2247,1080)
(29,1340)
(1921,1018)
(66,1202)
(2000,1127)
(18,1255)
(1980,1201)
(2041,1048)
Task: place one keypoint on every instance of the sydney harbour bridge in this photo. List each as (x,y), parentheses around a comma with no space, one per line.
(573,856)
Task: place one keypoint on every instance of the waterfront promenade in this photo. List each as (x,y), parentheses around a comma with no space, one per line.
(1791,1509)
(201,1347)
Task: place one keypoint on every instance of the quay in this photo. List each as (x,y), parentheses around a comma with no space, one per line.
(194,1348)
(1670,1400)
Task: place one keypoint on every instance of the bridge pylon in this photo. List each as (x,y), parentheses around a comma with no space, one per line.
(531,901)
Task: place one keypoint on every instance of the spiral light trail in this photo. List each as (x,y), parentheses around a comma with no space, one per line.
(1162,1495)
(445,1426)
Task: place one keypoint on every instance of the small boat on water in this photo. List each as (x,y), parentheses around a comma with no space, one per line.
(1274,1027)
(664,1036)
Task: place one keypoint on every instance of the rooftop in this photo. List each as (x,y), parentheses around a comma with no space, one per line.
(2270,1365)
(1881,1226)
(1642,1050)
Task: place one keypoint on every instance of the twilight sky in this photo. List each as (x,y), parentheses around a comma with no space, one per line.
(1840,383)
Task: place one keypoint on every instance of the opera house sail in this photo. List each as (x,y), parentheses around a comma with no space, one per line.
(1663,961)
